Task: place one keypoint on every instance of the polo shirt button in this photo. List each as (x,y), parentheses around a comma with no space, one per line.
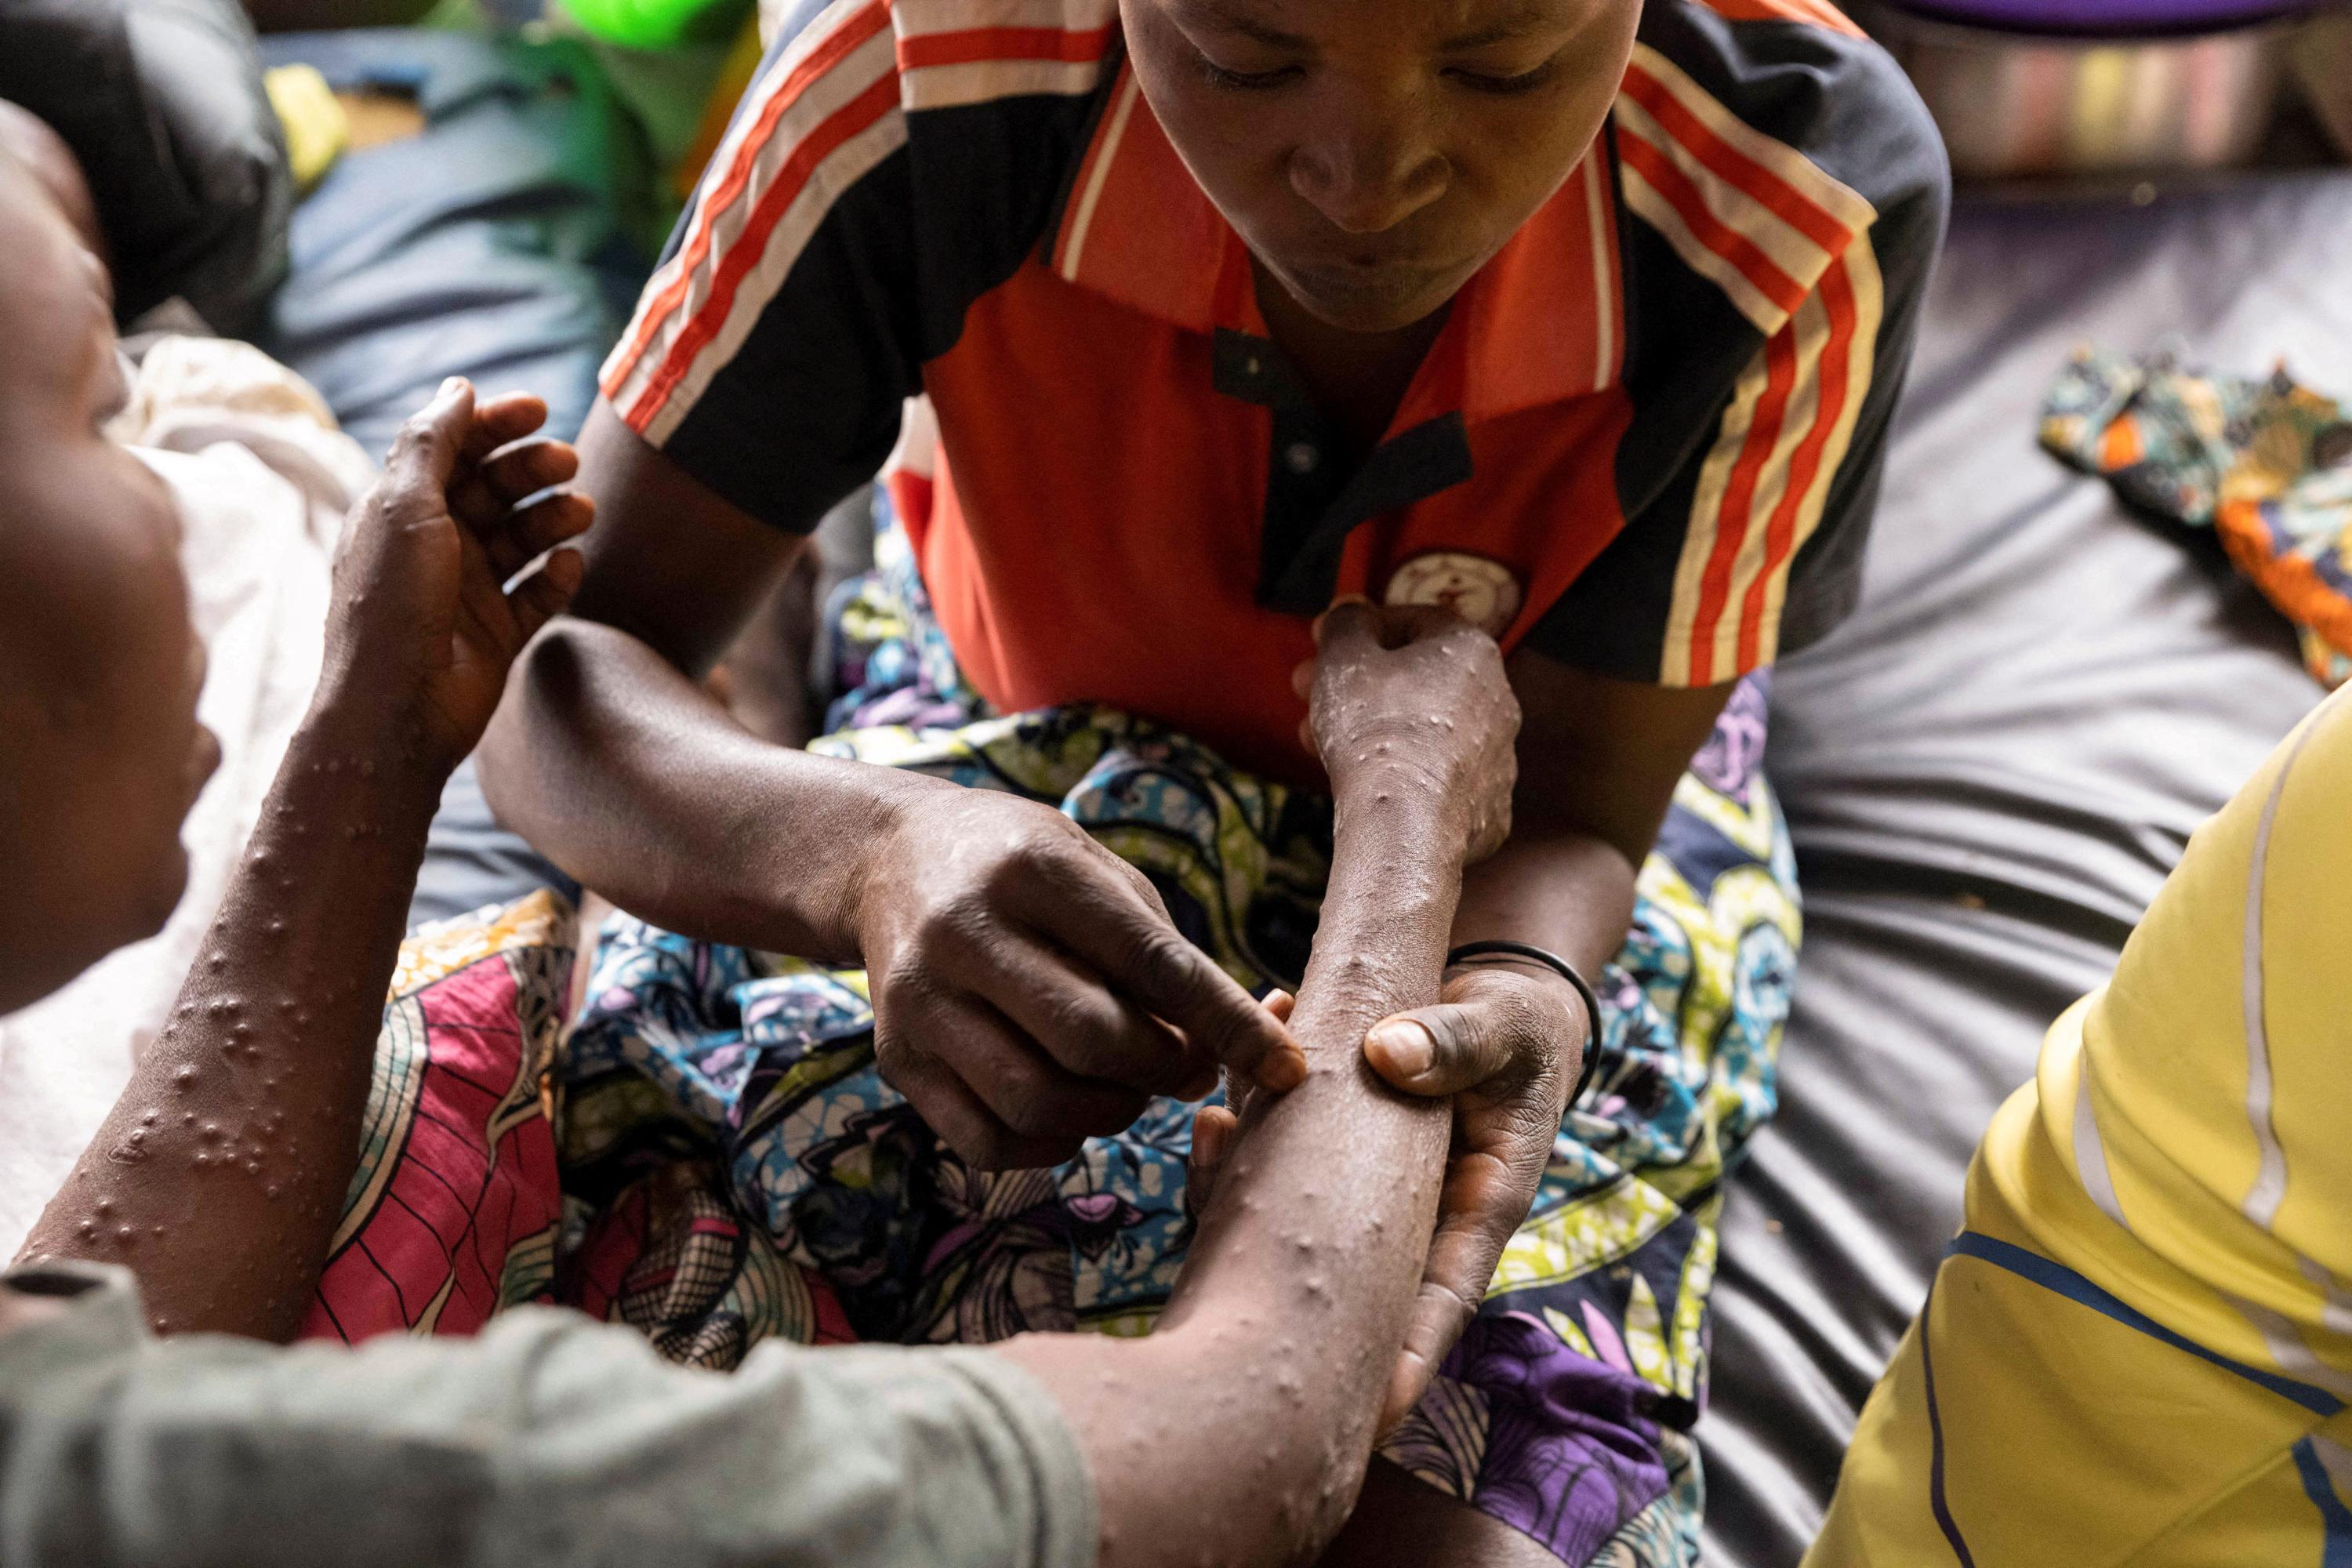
(1302,457)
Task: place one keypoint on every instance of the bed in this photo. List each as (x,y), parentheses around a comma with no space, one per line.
(1987,771)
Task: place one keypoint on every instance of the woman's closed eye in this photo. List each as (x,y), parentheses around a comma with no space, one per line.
(1524,81)
(1242,80)
(1499,83)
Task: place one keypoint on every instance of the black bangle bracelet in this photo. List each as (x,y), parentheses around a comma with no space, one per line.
(1498,947)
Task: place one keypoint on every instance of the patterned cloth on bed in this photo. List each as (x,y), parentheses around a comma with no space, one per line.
(2267,463)
(734,1168)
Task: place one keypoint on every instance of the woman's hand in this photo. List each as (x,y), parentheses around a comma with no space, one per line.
(424,627)
(1029,989)
(1413,699)
(1506,1040)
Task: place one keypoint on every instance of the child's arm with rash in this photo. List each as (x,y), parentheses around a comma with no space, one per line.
(1239,1432)
(219,1176)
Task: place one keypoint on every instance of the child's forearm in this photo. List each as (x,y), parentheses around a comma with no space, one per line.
(1239,1432)
(1335,1184)
(219,1176)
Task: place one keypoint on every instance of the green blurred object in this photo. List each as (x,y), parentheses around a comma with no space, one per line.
(667,89)
(657,24)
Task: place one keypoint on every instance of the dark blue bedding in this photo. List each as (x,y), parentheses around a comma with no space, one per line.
(500,244)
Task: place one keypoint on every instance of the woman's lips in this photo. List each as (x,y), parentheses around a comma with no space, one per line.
(1357,285)
(1372,266)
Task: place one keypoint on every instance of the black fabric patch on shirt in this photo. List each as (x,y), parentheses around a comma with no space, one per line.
(1312,503)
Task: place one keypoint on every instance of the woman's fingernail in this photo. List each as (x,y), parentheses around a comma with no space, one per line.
(448,386)
(1282,1071)
(1408,1046)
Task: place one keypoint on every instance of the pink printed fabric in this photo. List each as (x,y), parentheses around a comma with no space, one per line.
(453,1212)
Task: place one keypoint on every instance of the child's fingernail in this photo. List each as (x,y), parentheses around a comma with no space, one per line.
(1407,1045)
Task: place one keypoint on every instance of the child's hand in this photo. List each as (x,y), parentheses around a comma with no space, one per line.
(423,627)
(1413,700)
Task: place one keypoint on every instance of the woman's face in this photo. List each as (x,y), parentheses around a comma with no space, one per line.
(1375,153)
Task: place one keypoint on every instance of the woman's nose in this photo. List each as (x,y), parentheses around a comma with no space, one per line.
(1369,178)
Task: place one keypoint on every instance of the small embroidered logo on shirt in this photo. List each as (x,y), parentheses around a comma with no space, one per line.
(1481,591)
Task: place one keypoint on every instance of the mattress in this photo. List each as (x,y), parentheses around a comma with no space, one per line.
(1987,771)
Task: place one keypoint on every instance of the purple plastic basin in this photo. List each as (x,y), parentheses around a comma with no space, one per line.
(2106,18)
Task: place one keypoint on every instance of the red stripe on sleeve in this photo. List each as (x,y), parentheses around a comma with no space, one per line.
(1778,197)
(853,30)
(1813,11)
(1804,464)
(845,122)
(1737,512)
(973,44)
(1719,237)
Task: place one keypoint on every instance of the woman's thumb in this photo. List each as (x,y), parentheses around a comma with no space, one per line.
(1439,1050)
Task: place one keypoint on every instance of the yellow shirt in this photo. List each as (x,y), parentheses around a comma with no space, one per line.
(2140,1348)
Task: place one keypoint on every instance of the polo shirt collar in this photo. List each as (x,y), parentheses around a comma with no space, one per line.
(1540,323)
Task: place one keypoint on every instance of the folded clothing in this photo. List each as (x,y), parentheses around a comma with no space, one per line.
(2266,463)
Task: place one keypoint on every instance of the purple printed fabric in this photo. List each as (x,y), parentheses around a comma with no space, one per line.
(2106,18)
(1572,1453)
(1732,761)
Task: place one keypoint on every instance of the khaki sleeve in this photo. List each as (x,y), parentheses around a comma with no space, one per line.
(549,1440)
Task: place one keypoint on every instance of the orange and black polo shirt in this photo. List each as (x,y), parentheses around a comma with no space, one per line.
(1646,442)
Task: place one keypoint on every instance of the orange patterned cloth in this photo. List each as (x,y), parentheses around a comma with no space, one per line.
(2266,463)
